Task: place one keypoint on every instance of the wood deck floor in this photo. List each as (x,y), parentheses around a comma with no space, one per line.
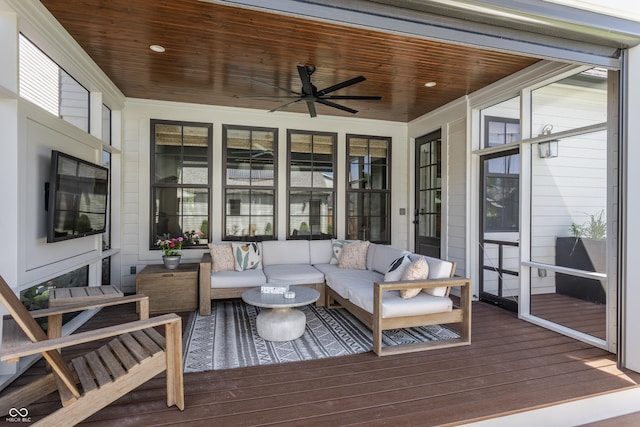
(511,365)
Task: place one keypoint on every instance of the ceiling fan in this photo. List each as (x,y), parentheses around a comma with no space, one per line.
(310,94)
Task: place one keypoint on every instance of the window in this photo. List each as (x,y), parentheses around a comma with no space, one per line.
(106,124)
(37,297)
(311,183)
(501,184)
(501,130)
(368,189)
(106,236)
(250,182)
(501,176)
(47,85)
(180,159)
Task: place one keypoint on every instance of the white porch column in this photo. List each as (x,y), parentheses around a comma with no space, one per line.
(631,301)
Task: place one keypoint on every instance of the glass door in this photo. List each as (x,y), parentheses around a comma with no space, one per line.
(499,228)
(428,213)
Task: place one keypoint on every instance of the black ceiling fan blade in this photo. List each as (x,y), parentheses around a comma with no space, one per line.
(338,106)
(268,96)
(341,85)
(364,97)
(285,105)
(273,86)
(312,109)
(305,78)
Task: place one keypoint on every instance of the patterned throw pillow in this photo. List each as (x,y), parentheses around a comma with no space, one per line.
(417,270)
(247,256)
(336,247)
(221,257)
(397,267)
(354,255)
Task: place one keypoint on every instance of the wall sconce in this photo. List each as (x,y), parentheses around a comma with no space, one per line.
(548,149)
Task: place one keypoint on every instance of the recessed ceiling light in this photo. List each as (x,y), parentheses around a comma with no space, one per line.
(430,84)
(157,48)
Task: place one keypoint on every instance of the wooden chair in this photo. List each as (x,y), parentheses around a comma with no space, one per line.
(136,354)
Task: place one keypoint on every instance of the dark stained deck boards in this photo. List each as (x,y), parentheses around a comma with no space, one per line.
(574,313)
(511,365)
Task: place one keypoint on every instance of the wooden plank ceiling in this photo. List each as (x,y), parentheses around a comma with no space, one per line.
(217,55)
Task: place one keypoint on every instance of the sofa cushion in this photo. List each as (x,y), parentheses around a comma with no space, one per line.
(320,251)
(354,255)
(342,279)
(336,248)
(293,274)
(247,256)
(417,270)
(370,254)
(238,279)
(275,252)
(221,257)
(384,255)
(397,267)
(439,269)
(393,305)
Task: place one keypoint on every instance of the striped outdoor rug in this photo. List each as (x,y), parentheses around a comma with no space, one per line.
(228,338)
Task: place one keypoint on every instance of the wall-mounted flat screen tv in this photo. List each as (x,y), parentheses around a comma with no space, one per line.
(77,198)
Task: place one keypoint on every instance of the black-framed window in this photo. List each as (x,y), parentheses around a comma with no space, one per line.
(368,188)
(106,236)
(501,177)
(500,131)
(250,180)
(106,124)
(37,297)
(311,183)
(180,188)
(501,184)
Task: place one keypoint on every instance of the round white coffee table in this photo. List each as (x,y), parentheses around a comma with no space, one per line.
(282,322)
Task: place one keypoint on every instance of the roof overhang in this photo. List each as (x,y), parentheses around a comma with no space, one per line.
(541,29)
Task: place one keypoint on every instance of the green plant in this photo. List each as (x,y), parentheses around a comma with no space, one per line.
(84,224)
(304,227)
(205,228)
(268,229)
(594,228)
(170,247)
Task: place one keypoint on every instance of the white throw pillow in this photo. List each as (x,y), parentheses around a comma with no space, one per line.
(397,267)
(354,255)
(221,257)
(247,256)
(336,248)
(417,270)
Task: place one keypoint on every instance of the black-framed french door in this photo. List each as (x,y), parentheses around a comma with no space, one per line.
(428,195)
(499,228)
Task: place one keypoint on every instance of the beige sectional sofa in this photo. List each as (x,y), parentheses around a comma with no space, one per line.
(362,290)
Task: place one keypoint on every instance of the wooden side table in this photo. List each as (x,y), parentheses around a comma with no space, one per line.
(169,291)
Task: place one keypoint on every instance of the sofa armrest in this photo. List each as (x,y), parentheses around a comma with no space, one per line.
(204,285)
(422,284)
(461,315)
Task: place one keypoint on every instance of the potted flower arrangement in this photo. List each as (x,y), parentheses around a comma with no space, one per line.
(171,252)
